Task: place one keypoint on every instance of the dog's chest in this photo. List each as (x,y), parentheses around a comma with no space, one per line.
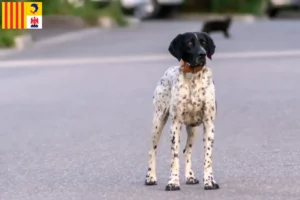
(190,97)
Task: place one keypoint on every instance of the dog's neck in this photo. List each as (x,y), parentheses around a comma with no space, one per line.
(187,69)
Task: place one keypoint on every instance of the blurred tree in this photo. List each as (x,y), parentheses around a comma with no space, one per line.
(197,5)
(237,6)
(224,6)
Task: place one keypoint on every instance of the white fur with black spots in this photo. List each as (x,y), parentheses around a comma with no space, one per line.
(187,99)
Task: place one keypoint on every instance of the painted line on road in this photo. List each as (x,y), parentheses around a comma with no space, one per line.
(139,58)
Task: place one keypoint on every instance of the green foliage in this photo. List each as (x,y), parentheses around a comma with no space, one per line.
(195,6)
(225,6)
(56,7)
(89,12)
(114,11)
(7,37)
(237,6)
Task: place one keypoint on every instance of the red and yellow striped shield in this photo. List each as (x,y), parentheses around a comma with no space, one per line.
(15,14)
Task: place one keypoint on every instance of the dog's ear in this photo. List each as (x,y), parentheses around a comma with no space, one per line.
(175,47)
(210,47)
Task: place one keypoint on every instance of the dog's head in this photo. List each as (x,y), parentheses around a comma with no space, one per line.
(192,47)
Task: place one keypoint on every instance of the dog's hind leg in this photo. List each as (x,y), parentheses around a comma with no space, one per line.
(226,34)
(173,183)
(208,140)
(191,137)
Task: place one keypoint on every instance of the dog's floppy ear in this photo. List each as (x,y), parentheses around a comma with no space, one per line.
(175,47)
(210,45)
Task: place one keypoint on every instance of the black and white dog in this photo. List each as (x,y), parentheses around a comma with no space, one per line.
(186,95)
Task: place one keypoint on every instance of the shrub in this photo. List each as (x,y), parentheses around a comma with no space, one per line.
(237,6)
(7,37)
(56,7)
(89,12)
(114,10)
(225,6)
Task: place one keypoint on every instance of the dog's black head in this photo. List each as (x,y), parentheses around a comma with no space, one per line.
(192,47)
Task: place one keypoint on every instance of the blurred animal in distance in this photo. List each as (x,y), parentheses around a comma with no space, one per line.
(218,25)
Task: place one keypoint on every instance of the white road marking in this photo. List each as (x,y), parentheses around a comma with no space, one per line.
(139,58)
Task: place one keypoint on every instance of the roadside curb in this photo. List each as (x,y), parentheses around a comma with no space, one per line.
(63,21)
(21,42)
(132,21)
(57,21)
(107,22)
(26,42)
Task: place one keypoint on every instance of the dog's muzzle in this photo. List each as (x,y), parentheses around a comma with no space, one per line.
(199,61)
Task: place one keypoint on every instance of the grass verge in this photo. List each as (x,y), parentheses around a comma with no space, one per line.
(238,6)
(7,37)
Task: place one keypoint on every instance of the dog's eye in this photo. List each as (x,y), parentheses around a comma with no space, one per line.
(202,42)
(190,44)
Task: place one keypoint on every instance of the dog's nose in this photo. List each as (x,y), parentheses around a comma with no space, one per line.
(202,53)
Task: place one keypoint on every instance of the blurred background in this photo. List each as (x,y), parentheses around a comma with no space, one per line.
(68,15)
(155,9)
(76,100)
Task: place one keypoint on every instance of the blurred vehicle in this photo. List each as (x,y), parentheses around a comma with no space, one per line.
(275,6)
(142,9)
(149,9)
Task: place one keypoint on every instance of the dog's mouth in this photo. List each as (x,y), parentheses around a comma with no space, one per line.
(199,62)
(202,62)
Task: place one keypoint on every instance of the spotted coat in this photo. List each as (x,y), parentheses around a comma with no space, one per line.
(187,99)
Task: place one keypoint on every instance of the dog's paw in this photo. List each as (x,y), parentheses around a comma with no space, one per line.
(172,187)
(150,180)
(211,186)
(192,181)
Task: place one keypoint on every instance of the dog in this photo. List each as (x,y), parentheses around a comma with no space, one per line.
(186,94)
(217,26)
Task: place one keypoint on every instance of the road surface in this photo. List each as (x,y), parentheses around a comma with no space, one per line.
(76,116)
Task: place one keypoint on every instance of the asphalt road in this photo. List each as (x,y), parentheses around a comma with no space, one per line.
(82,131)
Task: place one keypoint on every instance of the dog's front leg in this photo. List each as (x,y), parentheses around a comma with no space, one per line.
(173,183)
(208,140)
(191,137)
(158,124)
